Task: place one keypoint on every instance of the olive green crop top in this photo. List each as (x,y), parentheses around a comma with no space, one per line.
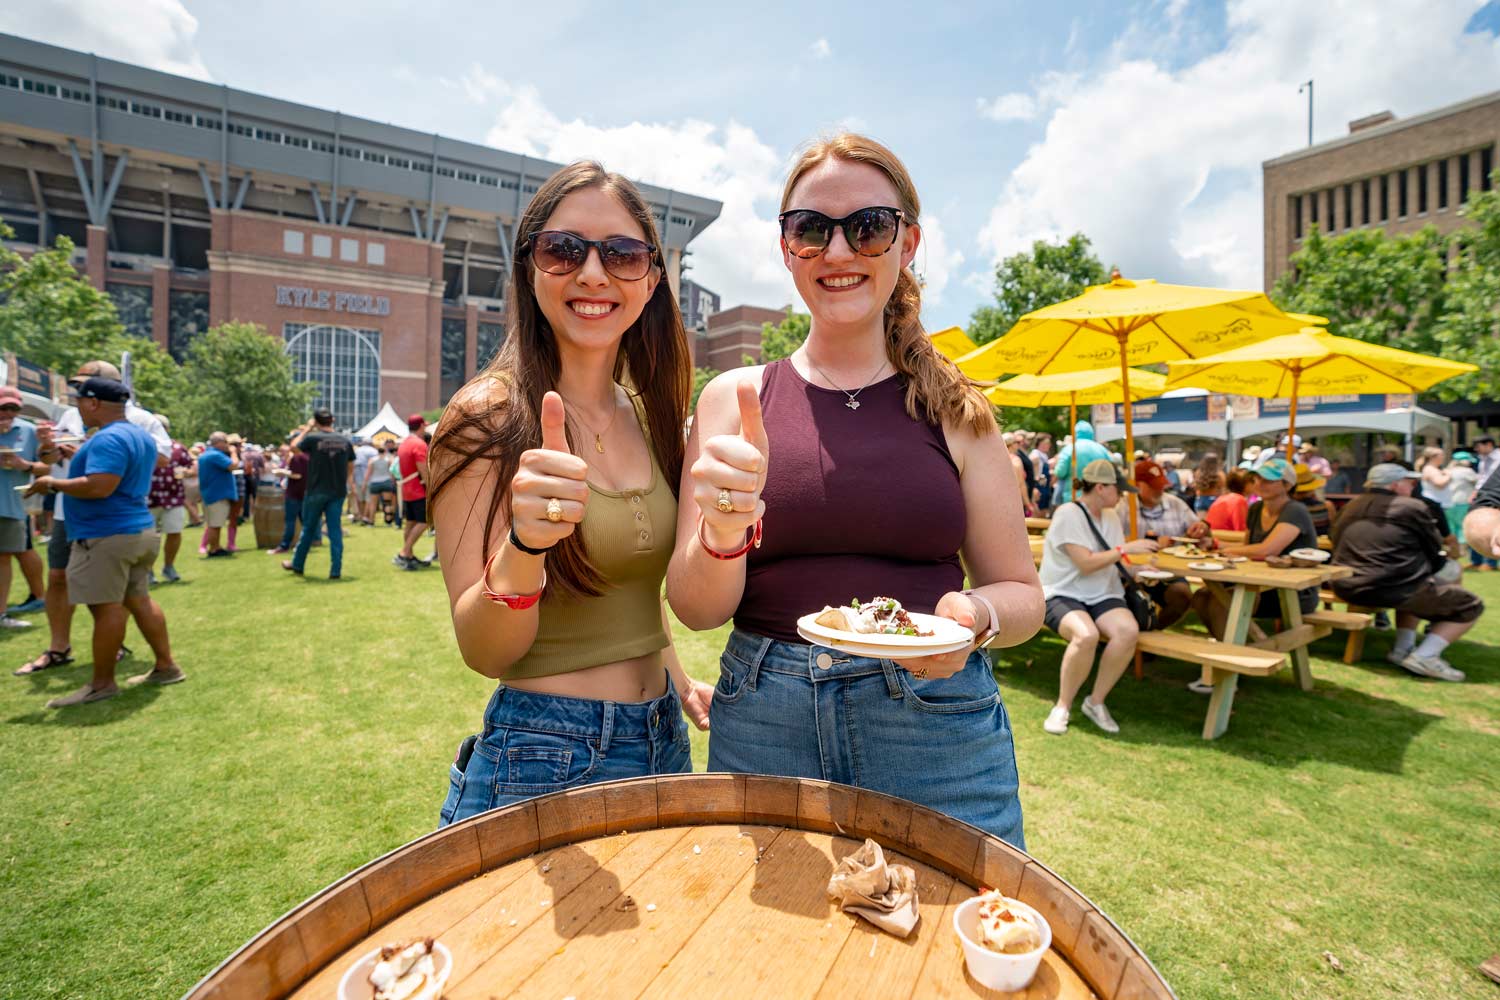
(629,536)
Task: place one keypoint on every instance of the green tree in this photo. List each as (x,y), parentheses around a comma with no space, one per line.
(701,378)
(239,378)
(49,314)
(780,340)
(1051,272)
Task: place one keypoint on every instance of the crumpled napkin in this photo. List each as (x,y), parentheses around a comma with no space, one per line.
(885,895)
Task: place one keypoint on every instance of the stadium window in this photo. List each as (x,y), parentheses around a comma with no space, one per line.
(1312,207)
(71,94)
(349,250)
(1422,189)
(7,80)
(114,104)
(1442,191)
(1297,216)
(180,117)
(375,254)
(1486,167)
(489,181)
(445,171)
(350,151)
(1333,222)
(291,241)
(38,87)
(239,129)
(1384,200)
(322,147)
(1364,202)
(1463,178)
(468,175)
(204,121)
(301,142)
(374,157)
(1401,186)
(422,166)
(399,161)
(322,246)
(267,135)
(145,110)
(1348,206)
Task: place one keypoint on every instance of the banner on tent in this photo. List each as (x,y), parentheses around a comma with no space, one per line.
(1216,407)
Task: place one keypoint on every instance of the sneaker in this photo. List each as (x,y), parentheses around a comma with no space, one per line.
(172,675)
(401,562)
(26,607)
(83,696)
(220,554)
(1057,721)
(1099,716)
(286,565)
(170,575)
(1200,686)
(429,560)
(1398,656)
(1382,621)
(278,550)
(415,564)
(1431,666)
(6,621)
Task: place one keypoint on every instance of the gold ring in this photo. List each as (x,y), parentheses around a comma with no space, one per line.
(554,510)
(921,674)
(725,504)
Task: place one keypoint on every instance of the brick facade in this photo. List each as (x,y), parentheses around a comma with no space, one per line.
(734,334)
(1433,160)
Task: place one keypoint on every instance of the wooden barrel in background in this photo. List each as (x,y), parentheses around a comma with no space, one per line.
(438,877)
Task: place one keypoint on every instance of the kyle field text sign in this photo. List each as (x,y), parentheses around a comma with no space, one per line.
(322,298)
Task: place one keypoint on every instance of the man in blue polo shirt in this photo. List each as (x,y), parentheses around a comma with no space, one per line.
(114,539)
(216,481)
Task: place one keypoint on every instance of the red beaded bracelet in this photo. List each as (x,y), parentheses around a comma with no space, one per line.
(516,602)
(752,540)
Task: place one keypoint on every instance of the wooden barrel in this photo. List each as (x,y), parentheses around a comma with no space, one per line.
(713,882)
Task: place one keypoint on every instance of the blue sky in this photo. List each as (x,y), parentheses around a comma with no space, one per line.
(1142,125)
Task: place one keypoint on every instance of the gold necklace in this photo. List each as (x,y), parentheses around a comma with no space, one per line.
(598,435)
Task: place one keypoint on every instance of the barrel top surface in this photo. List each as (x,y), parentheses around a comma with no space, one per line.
(654,896)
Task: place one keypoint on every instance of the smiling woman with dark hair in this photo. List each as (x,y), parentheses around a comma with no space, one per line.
(554,476)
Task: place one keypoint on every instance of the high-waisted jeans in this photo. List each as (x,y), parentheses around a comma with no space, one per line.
(533,744)
(811,712)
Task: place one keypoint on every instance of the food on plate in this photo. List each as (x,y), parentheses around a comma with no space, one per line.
(1206,566)
(405,971)
(878,616)
(1278,562)
(1004,927)
(1190,550)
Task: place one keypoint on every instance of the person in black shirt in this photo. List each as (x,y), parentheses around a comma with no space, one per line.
(1388,538)
(1482,523)
(330,464)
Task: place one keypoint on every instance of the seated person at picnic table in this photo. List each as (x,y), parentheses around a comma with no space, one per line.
(1162,516)
(1085,596)
(1388,537)
(1276,524)
(1307,493)
(1229,509)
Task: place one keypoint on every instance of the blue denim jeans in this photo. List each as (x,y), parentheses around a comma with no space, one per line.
(291,513)
(811,712)
(327,507)
(533,744)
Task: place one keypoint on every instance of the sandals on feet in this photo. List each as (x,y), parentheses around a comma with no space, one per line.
(45,661)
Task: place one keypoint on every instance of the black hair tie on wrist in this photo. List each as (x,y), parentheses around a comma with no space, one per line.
(523,546)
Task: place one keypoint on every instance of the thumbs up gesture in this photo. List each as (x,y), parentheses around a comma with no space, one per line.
(550,489)
(730,473)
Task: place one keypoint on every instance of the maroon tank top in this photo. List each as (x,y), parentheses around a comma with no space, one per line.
(859,503)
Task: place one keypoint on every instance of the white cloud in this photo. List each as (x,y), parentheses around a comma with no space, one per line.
(156,33)
(1160,166)
(938,261)
(737,254)
(1009,108)
(821,49)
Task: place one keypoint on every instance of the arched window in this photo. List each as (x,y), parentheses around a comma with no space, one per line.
(344,362)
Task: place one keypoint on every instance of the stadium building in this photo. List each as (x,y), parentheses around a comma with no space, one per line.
(378,253)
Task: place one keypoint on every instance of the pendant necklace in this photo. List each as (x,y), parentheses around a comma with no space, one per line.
(853,401)
(598,435)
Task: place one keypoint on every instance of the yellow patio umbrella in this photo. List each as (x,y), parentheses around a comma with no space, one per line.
(1129,323)
(952,343)
(1072,389)
(1315,362)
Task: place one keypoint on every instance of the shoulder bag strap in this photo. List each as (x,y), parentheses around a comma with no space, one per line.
(1125,577)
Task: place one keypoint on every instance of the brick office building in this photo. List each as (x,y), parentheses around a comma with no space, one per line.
(1395,174)
(378,253)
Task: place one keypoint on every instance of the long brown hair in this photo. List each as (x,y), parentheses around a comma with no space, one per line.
(653,364)
(936,391)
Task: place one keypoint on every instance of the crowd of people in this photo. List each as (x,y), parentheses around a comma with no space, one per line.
(1402,534)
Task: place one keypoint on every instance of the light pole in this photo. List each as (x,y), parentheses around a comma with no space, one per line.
(1308,86)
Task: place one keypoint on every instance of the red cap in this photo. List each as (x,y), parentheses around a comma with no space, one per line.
(1148,472)
(10,394)
(416,421)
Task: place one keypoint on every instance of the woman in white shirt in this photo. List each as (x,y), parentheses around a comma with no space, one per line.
(1085,597)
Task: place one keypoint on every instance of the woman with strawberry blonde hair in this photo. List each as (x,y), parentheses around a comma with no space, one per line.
(865,464)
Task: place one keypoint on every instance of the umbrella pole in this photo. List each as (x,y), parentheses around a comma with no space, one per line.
(1129,431)
(1291,430)
(1073,435)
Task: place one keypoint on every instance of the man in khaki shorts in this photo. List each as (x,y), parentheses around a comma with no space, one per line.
(113,537)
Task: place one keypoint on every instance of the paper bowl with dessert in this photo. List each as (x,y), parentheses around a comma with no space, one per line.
(1003,940)
(407,970)
(881,627)
(1308,557)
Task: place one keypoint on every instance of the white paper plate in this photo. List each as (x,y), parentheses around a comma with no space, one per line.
(355,984)
(1155,574)
(1206,567)
(947,637)
(1311,555)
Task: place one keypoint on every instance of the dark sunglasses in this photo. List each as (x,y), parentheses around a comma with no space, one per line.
(558,252)
(871,232)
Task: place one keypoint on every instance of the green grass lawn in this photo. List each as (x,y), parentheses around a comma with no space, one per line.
(147,837)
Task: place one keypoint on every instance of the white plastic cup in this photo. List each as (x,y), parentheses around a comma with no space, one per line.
(356,982)
(994,969)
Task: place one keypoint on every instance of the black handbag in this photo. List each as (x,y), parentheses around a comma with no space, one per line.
(1136,599)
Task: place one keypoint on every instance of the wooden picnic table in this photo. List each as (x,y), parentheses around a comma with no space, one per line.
(726,878)
(1239,587)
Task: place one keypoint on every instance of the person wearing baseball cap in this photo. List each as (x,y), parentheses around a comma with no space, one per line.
(1389,537)
(1081,559)
(1276,523)
(412,455)
(1162,516)
(1306,493)
(18,463)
